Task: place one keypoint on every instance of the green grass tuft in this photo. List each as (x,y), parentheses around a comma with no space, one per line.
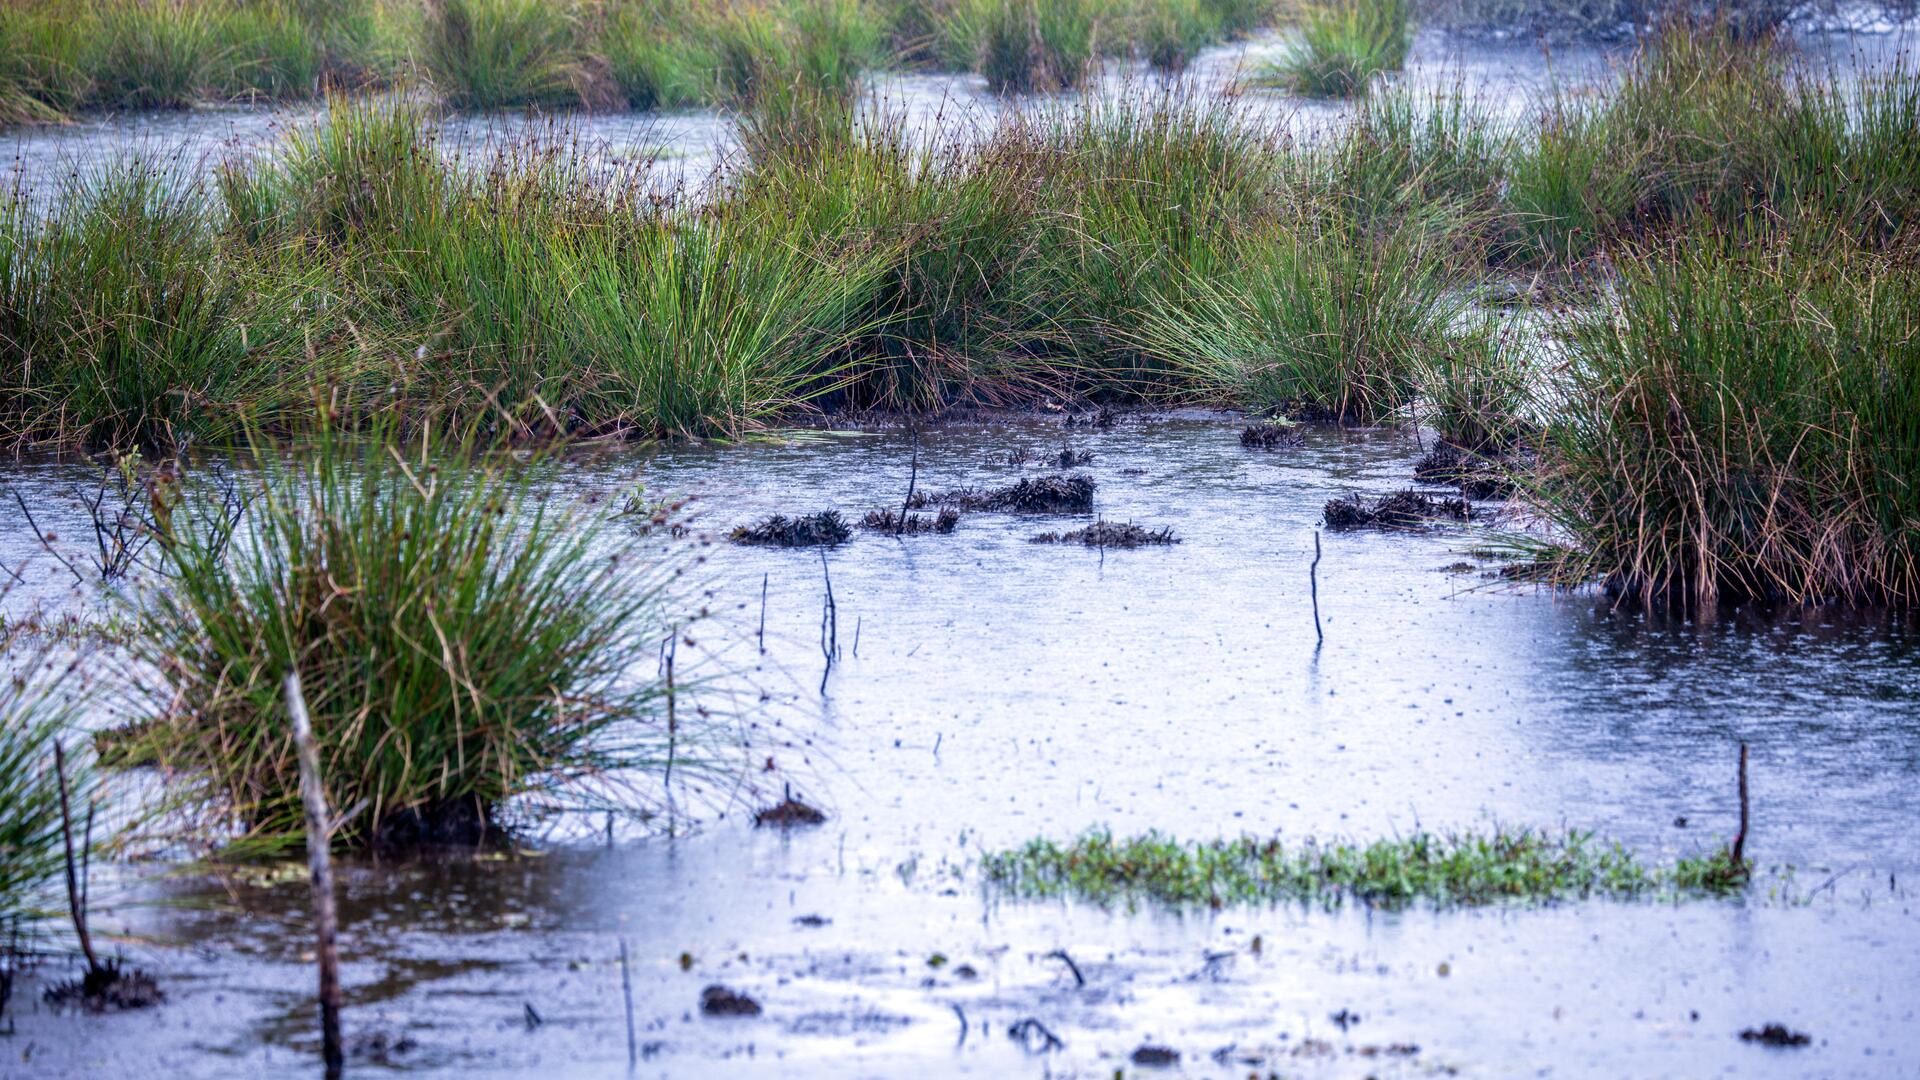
(1505,865)
(462,644)
(1343,45)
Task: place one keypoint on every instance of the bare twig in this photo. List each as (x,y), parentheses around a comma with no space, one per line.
(1740,838)
(913,477)
(829,624)
(1061,955)
(1313,580)
(763,614)
(320,870)
(74,903)
(626,990)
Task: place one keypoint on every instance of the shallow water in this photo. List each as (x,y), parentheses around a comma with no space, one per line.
(1002,690)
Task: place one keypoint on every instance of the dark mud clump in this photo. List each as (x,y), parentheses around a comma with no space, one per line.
(789,813)
(717,1000)
(1400,510)
(1479,476)
(1105,534)
(889,522)
(1034,495)
(1308,412)
(1102,418)
(1776,1035)
(453,823)
(109,986)
(1155,1057)
(380,1048)
(1271,436)
(825,528)
(1072,459)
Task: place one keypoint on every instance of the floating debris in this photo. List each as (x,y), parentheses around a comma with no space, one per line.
(788,813)
(1400,510)
(1776,1035)
(717,1000)
(1271,436)
(1033,495)
(1480,476)
(1072,459)
(826,528)
(1155,1057)
(109,986)
(888,521)
(1105,534)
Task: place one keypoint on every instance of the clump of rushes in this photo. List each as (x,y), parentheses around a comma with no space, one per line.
(1468,868)
(492,54)
(42,72)
(1343,45)
(120,321)
(1478,388)
(1028,45)
(1319,312)
(461,643)
(33,714)
(1746,426)
(1142,197)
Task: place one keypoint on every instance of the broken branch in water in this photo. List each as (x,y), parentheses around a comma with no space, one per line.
(320,871)
(1313,582)
(1740,838)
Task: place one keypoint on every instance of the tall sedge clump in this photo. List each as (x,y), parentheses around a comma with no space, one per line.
(152,54)
(118,322)
(1319,314)
(493,54)
(1343,45)
(1745,426)
(1137,198)
(43,76)
(463,645)
(1028,45)
(34,713)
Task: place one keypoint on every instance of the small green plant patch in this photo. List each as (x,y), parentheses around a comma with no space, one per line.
(1467,868)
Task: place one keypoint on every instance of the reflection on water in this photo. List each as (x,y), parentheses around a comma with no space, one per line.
(1003,689)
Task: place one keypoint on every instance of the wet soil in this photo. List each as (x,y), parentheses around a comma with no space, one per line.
(1034,495)
(824,529)
(1400,511)
(1105,534)
(891,523)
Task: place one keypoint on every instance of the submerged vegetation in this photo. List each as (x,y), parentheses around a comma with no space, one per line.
(1445,869)
(461,645)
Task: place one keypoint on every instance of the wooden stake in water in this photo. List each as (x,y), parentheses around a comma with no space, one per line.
(1313,580)
(626,989)
(320,869)
(1740,838)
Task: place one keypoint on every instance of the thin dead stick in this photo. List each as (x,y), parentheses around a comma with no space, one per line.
(829,625)
(673,725)
(626,990)
(763,614)
(1740,838)
(320,870)
(74,903)
(1313,580)
(913,477)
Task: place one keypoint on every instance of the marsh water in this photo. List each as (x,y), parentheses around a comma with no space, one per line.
(990,690)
